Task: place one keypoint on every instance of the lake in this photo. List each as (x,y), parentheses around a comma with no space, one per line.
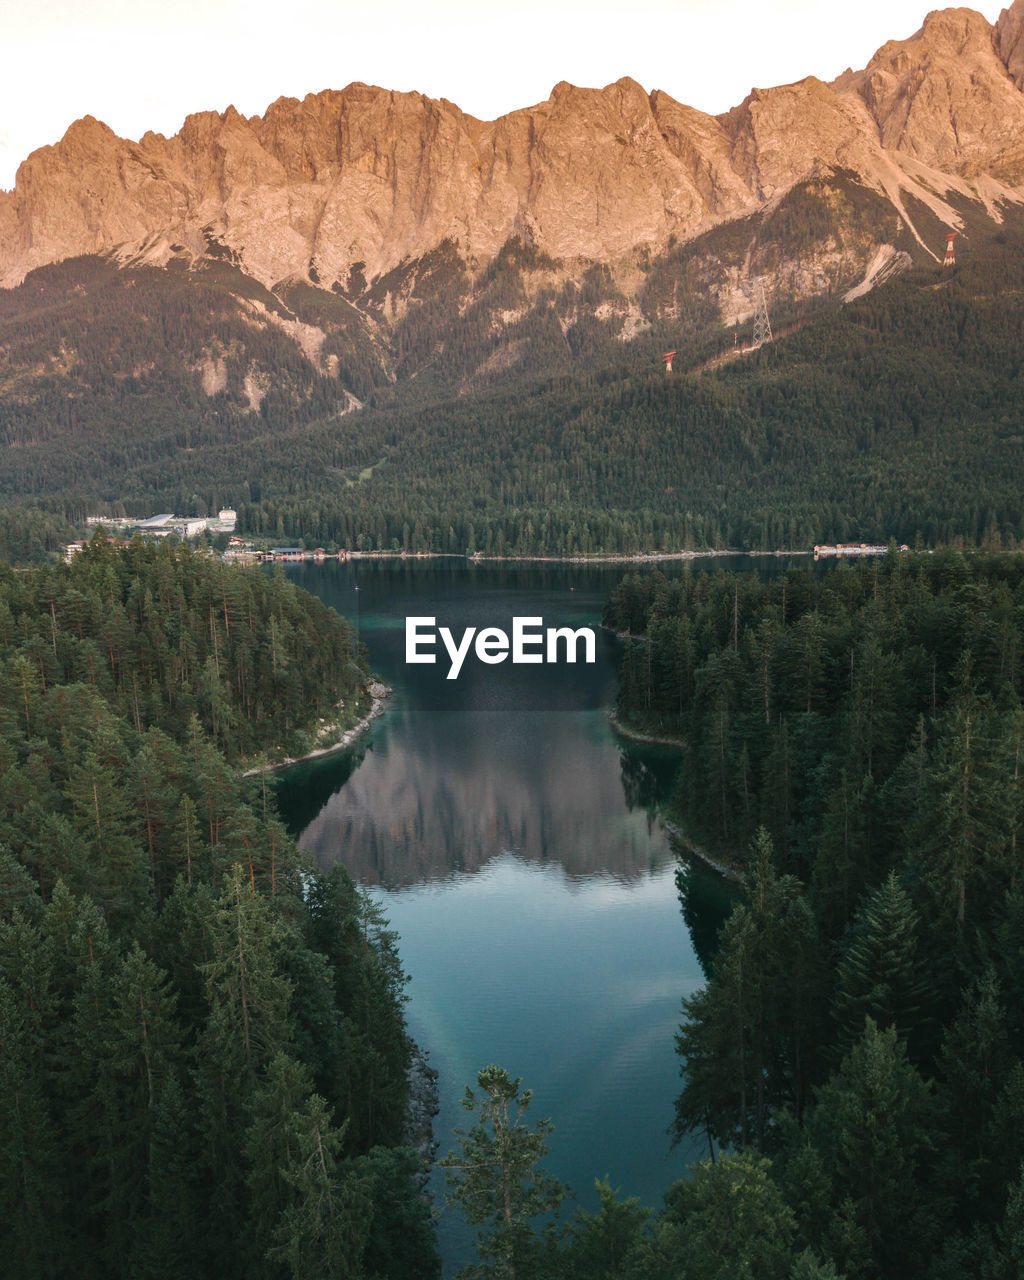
(510,836)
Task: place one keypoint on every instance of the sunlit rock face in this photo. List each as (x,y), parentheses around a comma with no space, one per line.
(359,180)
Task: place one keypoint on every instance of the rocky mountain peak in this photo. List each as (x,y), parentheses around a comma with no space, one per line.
(1008,38)
(369,177)
(943,96)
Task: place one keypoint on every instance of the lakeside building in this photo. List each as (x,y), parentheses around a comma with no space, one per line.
(240,552)
(160,525)
(853,549)
(166,523)
(163,525)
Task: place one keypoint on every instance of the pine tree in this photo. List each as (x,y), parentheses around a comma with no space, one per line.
(747,1039)
(1011,1234)
(728,1222)
(600,1243)
(166,1239)
(496,1179)
(974,1065)
(271,1147)
(32,1197)
(248,1023)
(963,855)
(402,1239)
(322,1231)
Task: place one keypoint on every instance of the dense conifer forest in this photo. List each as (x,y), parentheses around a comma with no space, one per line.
(203,1057)
(168,635)
(203,1054)
(852,744)
(505,418)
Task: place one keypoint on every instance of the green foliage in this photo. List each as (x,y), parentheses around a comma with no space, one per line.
(728,1222)
(749,1037)
(32,535)
(324,1226)
(518,410)
(496,1180)
(881,974)
(600,1243)
(174,640)
(194,1078)
(870,718)
(834,707)
(400,1241)
(874,1131)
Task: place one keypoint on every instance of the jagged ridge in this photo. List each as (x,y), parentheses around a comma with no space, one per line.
(345,186)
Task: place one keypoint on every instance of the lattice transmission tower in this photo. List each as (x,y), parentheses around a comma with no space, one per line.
(762,325)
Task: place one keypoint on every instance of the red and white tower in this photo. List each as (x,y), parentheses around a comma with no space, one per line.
(667,357)
(950,259)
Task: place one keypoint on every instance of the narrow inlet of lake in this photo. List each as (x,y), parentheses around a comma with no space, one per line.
(511,839)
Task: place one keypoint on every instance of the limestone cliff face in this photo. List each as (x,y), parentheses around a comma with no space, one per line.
(779,135)
(372,177)
(364,178)
(945,96)
(1008,38)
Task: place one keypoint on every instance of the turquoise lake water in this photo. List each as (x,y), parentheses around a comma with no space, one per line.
(511,838)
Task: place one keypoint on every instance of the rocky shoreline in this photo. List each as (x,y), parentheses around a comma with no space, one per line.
(378,692)
(637,735)
(423,1107)
(729,873)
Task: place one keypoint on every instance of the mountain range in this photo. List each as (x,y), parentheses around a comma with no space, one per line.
(252,277)
(342,187)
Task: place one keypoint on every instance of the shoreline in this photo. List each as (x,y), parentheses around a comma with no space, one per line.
(379,693)
(638,735)
(622,557)
(727,872)
(675,834)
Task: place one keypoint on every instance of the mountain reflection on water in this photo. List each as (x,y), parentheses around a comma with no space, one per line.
(511,839)
(507,758)
(442,794)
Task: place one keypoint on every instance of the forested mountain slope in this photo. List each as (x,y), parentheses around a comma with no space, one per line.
(367,320)
(894,415)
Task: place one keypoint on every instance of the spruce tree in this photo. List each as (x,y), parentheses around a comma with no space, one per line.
(882,974)
(728,1222)
(747,1039)
(33,1219)
(874,1130)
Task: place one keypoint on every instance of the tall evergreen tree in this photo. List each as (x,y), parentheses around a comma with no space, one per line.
(496,1179)
(33,1223)
(882,974)
(728,1222)
(747,1041)
(874,1129)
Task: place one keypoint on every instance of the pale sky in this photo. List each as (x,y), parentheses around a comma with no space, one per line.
(146,64)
